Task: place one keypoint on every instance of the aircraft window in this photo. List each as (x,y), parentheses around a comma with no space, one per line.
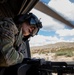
(55,41)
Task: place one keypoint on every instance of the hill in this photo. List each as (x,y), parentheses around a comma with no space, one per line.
(58,51)
(55,46)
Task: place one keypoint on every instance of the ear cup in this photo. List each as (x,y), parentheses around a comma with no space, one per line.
(20,18)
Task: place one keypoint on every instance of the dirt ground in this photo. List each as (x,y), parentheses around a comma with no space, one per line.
(52,57)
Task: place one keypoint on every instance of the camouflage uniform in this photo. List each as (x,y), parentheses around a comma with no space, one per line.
(8,36)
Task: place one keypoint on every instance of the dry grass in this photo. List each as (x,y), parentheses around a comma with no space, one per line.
(54,54)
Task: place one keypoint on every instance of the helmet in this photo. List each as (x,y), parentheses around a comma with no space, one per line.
(32,19)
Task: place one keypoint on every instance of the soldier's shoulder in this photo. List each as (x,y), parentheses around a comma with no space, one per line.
(8,23)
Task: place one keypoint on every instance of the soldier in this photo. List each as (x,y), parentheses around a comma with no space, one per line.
(12,33)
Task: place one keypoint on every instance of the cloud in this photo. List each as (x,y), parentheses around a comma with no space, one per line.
(40,40)
(65,32)
(65,7)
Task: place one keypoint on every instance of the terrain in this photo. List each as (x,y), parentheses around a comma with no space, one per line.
(62,51)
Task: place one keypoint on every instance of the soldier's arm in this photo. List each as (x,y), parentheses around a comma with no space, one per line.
(10,56)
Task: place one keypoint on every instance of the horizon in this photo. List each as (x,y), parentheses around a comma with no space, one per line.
(52,44)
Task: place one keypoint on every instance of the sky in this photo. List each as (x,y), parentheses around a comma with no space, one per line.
(54,31)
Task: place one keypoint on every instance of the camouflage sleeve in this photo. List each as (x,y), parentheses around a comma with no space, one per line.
(9,56)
